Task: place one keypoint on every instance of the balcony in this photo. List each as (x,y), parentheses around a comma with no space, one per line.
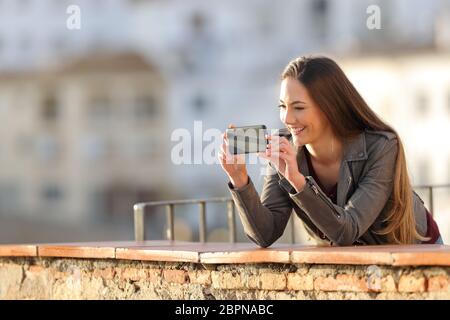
(185,270)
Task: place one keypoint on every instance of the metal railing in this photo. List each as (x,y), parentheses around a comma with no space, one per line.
(139,214)
(139,217)
(430,193)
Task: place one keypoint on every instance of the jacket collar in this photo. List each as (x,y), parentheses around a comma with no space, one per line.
(354,150)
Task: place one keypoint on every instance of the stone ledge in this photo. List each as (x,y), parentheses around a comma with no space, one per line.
(224,253)
(109,278)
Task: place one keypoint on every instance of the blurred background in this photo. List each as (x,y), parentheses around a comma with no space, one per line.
(87,112)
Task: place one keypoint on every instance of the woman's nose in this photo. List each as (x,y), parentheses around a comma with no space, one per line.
(289,117)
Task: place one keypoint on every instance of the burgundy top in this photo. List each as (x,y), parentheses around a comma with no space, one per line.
(432,229)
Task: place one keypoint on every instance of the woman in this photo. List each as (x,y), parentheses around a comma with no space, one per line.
(341,168)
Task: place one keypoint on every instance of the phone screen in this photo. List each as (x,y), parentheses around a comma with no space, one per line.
(249,139)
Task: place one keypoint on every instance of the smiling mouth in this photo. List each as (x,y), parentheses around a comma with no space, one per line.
(297,131)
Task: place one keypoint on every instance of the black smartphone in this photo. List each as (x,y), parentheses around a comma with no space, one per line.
(248,139)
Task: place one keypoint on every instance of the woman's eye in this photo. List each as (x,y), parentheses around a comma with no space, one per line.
(299,108)
(282,106)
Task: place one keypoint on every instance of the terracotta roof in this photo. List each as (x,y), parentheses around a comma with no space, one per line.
(120,62)
(93,63)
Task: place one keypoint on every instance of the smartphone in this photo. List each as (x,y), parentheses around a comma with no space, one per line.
(248,139)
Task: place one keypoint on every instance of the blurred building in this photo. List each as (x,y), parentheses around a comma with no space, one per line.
(83,139)
(88,129)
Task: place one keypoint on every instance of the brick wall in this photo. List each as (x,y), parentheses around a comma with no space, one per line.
(71,278)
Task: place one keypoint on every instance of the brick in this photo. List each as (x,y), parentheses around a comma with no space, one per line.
(60,275)
(381,284)
(388,284)
(342,282)
(134,274)
(409,283)
(107,273)
(175,276)
(154,275)
(297,281)
(273,281)
(251,281)
(34,270)
(200,277)
(439,283)
(226,280)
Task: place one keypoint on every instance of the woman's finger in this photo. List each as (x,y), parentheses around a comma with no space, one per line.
(225,139)
(284,139)
(223,147)
(221,157)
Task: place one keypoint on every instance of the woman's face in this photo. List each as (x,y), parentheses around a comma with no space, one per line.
(300,114)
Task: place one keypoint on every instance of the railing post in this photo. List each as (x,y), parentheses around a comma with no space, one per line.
(430,188)
(139,232)
(170,226)
(202,221)
(231,222)
(292,229)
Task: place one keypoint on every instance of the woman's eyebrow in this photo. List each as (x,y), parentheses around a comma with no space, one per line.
(294,102)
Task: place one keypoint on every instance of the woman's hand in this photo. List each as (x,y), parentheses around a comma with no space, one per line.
(233,165)
(284,157)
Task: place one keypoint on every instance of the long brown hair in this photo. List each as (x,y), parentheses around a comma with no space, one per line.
(350,115)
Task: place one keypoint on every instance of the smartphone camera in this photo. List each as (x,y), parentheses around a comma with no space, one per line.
(248,139)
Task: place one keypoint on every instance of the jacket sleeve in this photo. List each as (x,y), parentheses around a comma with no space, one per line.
(345,225)
(264,218)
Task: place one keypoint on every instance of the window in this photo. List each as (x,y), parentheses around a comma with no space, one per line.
(145,107)
(52,194)
(198,22)
(199,104)
(96,148)
(50,108)
(320,17)
(10,197)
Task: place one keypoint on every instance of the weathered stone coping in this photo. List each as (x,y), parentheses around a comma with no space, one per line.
(225,253)
(183,270)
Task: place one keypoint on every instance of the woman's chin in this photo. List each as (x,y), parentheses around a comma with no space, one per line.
(298,142)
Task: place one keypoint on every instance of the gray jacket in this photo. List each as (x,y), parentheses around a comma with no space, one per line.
(364,196)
